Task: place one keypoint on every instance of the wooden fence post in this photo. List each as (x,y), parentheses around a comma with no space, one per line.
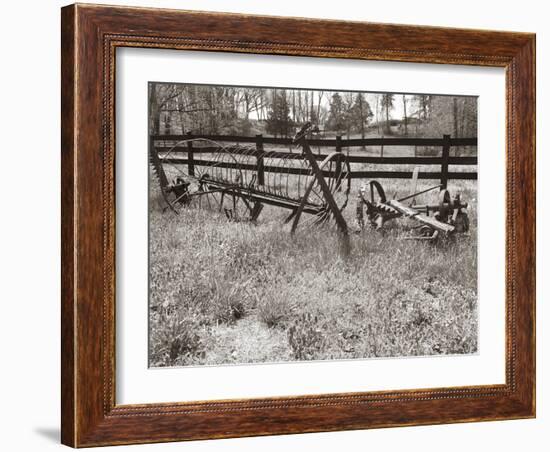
(338,171)
(260,159)
(445,160)
(190,157)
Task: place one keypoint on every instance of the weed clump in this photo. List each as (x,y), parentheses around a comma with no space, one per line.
(306,336)
(177,342)
(228,300)
(277,306)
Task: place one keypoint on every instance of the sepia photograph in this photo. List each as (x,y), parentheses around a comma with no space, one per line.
(290,224)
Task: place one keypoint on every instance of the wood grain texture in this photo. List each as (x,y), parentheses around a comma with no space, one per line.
(67,227)
(90,36)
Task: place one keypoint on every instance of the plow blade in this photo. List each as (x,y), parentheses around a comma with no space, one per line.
(412,213)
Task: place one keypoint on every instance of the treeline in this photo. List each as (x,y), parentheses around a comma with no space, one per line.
(222,110)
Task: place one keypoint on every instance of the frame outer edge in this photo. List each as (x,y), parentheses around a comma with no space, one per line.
(534,230)
(86,420)
(68,216)
(526,223)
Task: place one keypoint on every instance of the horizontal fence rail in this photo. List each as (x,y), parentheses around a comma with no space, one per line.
(327,142)
(163,143)
(353,174)
(351,158)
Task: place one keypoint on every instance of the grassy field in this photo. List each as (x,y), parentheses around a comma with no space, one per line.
(231,292)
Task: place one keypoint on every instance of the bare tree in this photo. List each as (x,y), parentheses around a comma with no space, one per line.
(455,117)
(387,104)
(405,114)
(319,100)
(160,95)
(377,115)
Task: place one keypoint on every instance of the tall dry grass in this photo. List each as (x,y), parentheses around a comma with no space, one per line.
(227,292)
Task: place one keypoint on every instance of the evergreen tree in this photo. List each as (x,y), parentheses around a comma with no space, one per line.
(337,113)
(278,119)
(360,114)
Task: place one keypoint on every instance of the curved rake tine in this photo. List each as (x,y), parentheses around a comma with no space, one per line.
(311,220)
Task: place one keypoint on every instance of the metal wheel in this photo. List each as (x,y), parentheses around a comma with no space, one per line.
(336,171)
(377,197)
(193,189)
(445,207)
(235,207)
(462,222)
(377,194)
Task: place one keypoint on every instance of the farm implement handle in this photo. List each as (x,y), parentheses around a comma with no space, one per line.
(229,177)
(333,208)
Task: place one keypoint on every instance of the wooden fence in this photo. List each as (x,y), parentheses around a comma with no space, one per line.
(165,142)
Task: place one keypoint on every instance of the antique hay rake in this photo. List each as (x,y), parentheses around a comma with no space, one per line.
(448,215)
(239,180)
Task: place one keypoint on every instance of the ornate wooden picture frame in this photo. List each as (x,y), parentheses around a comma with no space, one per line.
(90,37)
